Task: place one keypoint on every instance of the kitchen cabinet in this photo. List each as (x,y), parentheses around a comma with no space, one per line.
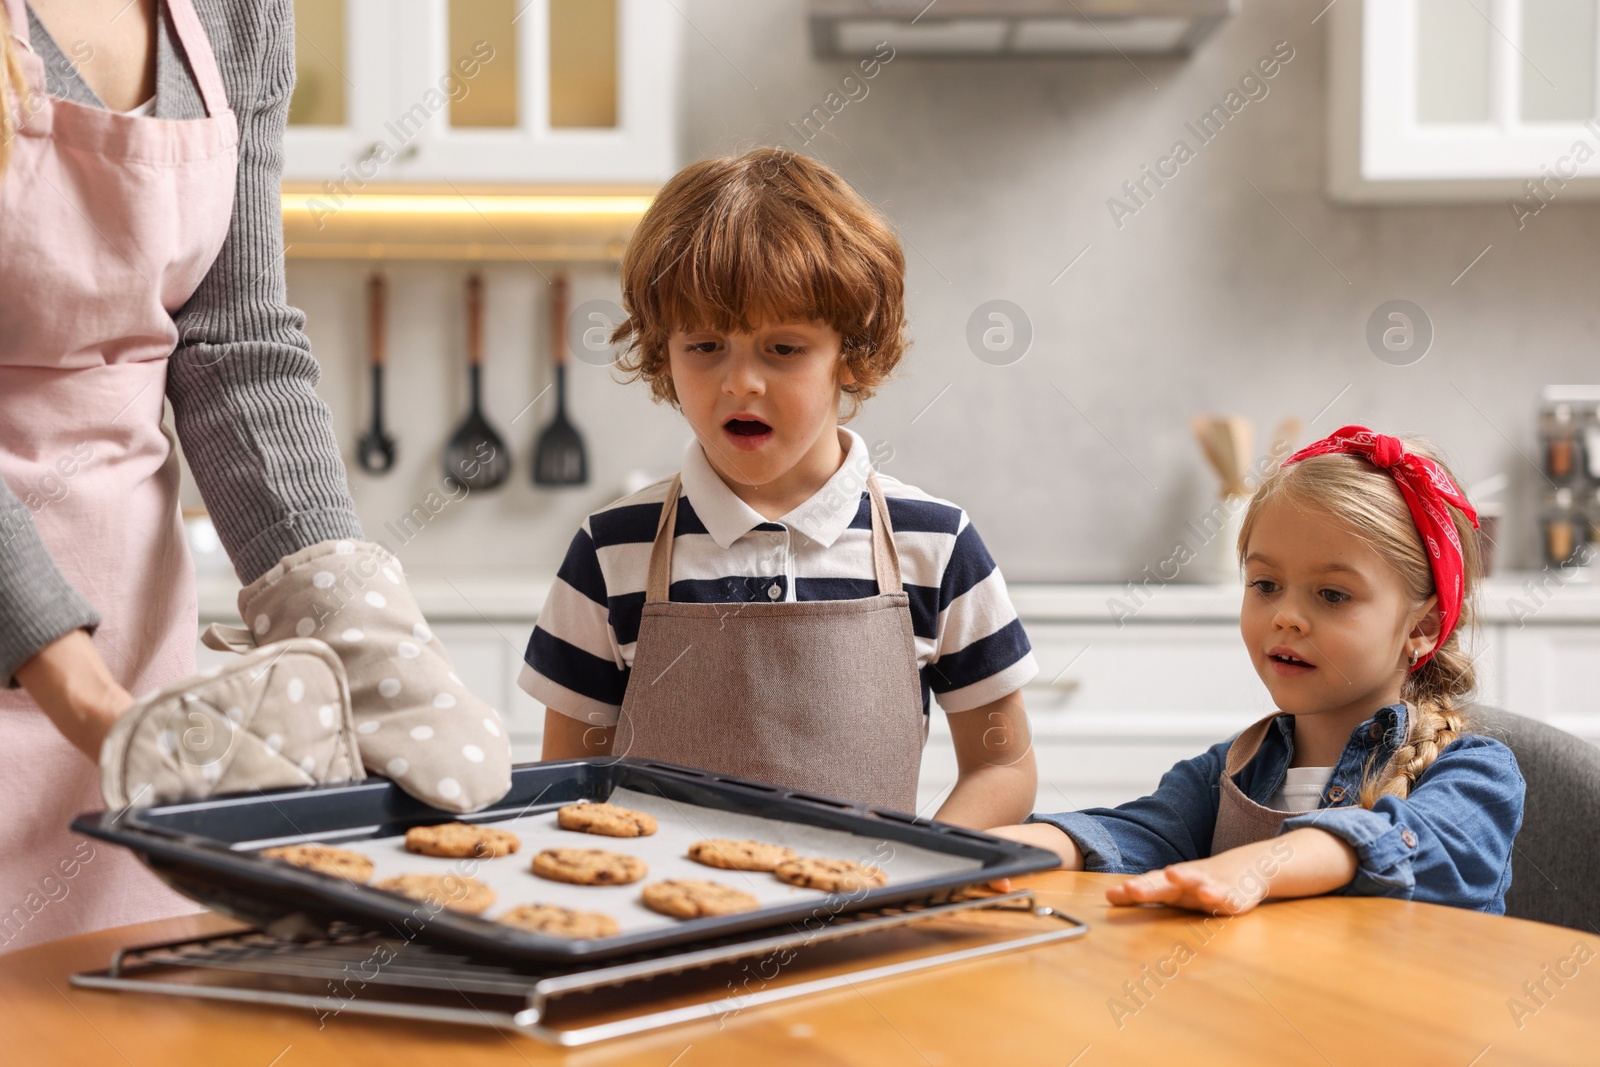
(1552,673)
(1113,707)
(1464,100)
(1115,704)
(461,92)
(488,657)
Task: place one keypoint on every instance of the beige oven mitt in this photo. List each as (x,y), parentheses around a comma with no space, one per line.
(416,723)
(278,717)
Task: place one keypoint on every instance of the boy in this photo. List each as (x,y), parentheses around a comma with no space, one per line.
(777,610)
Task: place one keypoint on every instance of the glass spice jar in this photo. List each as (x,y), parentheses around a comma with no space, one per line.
(1590,438)
(1594,527)
(1558,430)
(1564,528)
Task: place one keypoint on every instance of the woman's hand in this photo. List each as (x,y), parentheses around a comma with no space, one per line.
(1301,863)
(1043,835)
(70,682)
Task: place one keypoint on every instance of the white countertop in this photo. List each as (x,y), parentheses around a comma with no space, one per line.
(1507,599)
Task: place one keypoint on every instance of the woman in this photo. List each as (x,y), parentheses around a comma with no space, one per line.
(140,259)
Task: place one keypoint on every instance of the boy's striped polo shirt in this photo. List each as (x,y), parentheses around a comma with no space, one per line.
(971,648)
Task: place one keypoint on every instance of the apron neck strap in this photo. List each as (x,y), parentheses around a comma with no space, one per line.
(202,61)
(17,15)
(1246,745)
(32,65)
(191,35)
(885,557)
(659,583)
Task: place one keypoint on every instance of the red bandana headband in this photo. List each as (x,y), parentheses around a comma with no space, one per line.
(1427,490)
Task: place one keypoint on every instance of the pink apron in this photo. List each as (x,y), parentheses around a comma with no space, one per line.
(108,223)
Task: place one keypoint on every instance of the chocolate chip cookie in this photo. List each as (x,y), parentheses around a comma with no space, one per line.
(324,859)
(739,855)
(608,820)
(459,840)
(588,866)
(686,898)
(559,922)
(832,876)
(454,891)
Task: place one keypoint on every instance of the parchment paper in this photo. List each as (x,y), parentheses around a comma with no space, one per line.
(665,851)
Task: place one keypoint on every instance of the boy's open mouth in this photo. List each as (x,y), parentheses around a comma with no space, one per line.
(746,432)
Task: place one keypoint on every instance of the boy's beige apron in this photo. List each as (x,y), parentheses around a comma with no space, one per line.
(1240,820)
(820,695)
(108,223)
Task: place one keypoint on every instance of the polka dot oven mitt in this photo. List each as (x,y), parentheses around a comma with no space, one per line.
(278,717)
(416,723)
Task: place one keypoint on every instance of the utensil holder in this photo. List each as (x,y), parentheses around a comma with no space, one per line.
(1216,558)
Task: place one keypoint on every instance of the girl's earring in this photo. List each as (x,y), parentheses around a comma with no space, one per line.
(1415,655)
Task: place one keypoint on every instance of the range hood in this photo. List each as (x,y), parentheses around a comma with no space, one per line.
(1013,27)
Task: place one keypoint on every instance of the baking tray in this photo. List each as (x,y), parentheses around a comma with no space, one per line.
(207,850)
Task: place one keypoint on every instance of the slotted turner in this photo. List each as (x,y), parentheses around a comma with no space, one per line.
(559,458)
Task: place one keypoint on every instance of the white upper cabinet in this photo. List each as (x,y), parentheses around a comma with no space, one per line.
(1464,100)
(345,85)
(484,91)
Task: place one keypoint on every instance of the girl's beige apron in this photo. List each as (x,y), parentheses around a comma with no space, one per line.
(819,695)
(108,223)
(1240,820)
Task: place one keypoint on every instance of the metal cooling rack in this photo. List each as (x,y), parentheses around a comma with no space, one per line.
(418,981)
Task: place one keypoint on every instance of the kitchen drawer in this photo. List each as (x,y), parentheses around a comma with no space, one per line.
(1203,668)
(1114,707)
(488,658)
(1190,667)
(1551,674)
(1071,775)
(1087,761)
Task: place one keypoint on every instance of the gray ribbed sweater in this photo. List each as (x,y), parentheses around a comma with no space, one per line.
(242,382)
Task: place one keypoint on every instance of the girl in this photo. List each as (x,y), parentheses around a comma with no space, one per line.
(1359,564)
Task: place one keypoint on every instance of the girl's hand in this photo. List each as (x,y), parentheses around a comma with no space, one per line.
(1043,835)
(1302,863)
(1225,884)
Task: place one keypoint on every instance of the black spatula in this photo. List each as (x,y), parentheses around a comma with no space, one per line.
(558,456)
(375,449)
(475,455)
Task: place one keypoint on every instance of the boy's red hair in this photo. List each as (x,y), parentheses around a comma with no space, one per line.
(738,242)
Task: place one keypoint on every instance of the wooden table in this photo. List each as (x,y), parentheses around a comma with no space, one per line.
(1332,981)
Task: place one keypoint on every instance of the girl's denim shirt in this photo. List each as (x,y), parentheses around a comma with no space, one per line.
(1449,842)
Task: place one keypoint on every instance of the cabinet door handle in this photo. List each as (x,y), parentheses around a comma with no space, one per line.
(1055,693)
(405,155)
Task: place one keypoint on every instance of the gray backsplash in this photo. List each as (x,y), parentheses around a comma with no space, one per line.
(1237,287)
